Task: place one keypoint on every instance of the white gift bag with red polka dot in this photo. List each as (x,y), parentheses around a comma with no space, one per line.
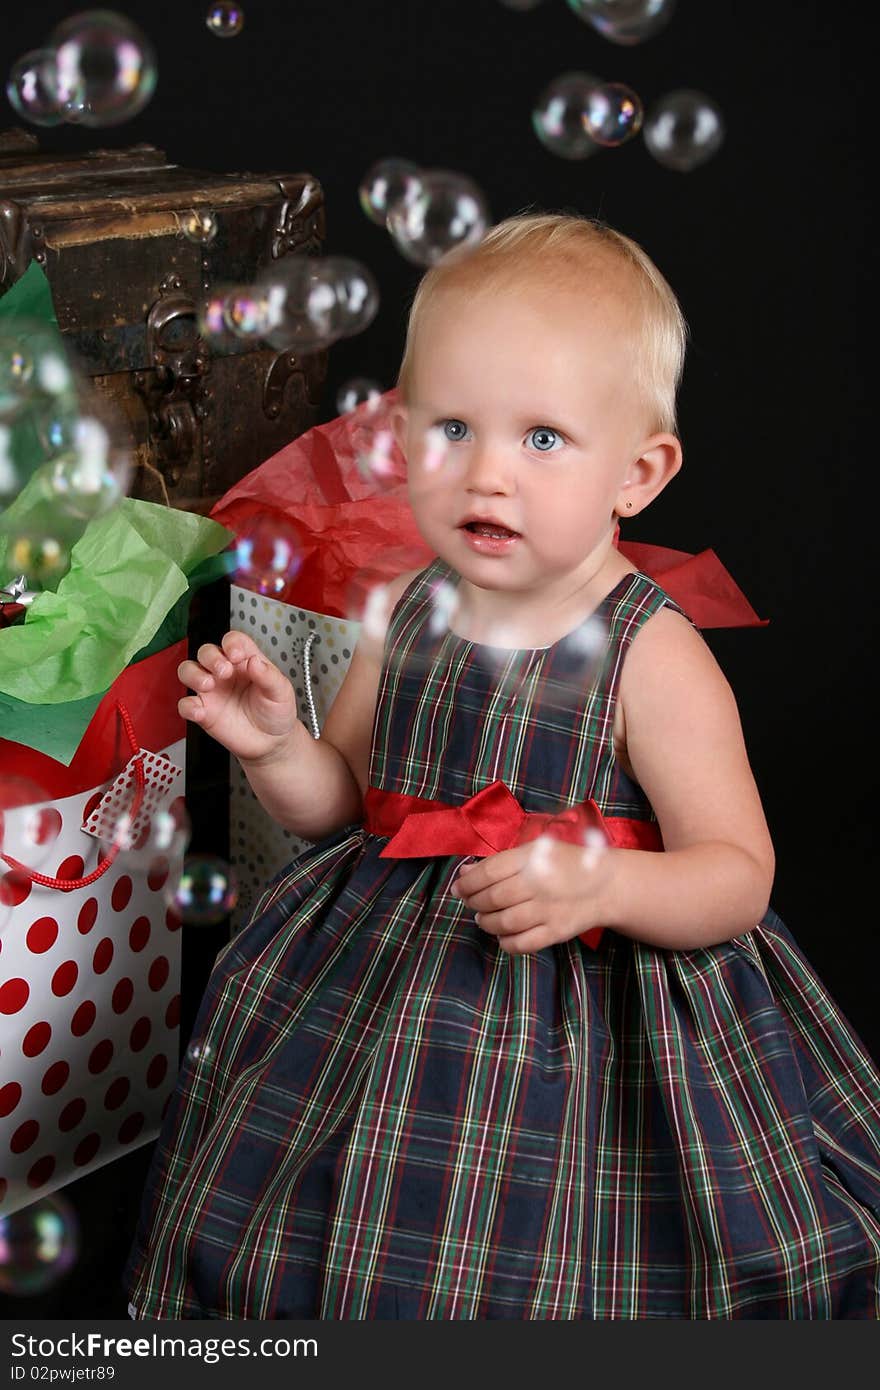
(90,976)
(315,651)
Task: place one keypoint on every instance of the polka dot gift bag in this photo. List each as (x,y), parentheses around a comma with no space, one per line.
(89,943)
(318,526)
(92,834)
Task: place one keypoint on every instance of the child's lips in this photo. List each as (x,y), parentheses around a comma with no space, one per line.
(488,544)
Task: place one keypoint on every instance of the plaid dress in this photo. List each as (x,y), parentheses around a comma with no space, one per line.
(383,1115)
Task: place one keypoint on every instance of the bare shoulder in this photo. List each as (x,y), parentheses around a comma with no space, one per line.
(668,653)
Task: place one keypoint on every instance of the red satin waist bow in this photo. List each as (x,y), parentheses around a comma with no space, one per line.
(490,821)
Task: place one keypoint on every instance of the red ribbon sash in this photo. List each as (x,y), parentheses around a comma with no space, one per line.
(490,821)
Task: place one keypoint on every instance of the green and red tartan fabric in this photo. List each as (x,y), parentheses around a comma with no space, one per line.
(383,1115)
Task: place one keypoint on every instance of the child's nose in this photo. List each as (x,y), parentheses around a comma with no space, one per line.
(488,470)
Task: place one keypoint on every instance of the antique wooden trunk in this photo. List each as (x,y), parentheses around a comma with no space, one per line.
(128,284)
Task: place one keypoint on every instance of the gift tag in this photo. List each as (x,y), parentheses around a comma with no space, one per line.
(111,820)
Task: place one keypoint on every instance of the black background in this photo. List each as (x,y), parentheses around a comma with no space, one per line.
(767,247)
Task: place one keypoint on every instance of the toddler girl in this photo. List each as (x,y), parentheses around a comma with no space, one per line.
(519,1037)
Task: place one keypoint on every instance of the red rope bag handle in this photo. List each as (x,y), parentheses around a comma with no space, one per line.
(69,885)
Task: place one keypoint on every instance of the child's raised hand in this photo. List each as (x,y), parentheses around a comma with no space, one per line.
(538,894)
(240,698)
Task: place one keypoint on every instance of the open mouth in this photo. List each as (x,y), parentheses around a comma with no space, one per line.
(489,528)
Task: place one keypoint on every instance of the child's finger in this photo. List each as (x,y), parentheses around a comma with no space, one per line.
(191,674)
(266,676)
(214,660)
(237,646)
(191,707)
(493,869)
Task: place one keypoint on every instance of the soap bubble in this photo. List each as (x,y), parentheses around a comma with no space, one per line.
(38,1245)
(10,481)
(29,823)
(225,20)
(55,428)
(558,117)
(247,312)
(360,390)
(684,129)
(268,555)
(154,837)
(315,300)
(52,417)
(42,558)
(89,479)
(448,210)
(33,369)
(624,21)
(558,677)
(199,225)
(206,892)
(212,315)
(104,68)
(386,183)
(546,857)
(612,114)
(377,455)
(16,375)
(368,602)
(504,664)
(29,93)
(199,1053)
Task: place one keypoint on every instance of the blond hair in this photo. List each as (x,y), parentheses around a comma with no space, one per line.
(560,248)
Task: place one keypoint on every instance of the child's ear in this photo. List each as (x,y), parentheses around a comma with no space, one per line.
(399,419)
(657,463)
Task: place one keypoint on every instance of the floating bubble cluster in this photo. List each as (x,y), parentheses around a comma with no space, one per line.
(559,676)
(313,301)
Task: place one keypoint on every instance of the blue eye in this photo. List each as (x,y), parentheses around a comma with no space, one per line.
(454,430)
(544,439)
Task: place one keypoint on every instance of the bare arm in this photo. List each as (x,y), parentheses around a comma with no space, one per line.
(685,744)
